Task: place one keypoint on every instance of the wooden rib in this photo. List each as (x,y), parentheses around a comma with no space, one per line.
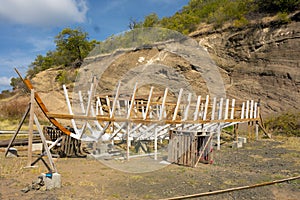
(45,110)
(177,104)
(196,115)
(148,103)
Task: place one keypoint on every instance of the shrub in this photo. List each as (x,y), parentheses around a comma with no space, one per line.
(14,109)
(285,124)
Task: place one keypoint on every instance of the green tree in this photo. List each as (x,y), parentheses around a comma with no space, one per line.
(16,83)
(72,45)
(274,6)
(151,20)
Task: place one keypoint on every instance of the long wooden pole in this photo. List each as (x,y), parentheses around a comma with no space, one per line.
(18,129)
(30,133)
(232,189)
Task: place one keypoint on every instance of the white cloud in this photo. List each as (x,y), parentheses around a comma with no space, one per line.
(4,81)
(43,12)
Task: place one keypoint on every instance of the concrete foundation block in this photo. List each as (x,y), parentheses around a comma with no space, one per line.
(52,180)
(12,152)
(237,144)
(242,140)
(37,147)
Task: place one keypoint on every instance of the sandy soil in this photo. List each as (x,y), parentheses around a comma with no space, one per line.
(82,178)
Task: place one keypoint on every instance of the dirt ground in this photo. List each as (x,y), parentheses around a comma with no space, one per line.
(82,178)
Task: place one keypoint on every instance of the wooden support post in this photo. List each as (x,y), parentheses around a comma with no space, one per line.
(236,131)
(219,137)
(128,141)
(155,143)
(45,144)
(256,130)
(249,130)
(30,133)
(219,127)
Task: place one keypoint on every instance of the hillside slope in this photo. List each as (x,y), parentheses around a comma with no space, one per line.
(259,61)
(262,60)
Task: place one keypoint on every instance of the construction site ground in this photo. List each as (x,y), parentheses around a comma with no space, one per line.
(82,178)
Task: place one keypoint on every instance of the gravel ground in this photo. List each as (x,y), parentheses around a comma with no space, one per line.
(82,178)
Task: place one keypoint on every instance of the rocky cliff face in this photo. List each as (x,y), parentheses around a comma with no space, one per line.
(261,60)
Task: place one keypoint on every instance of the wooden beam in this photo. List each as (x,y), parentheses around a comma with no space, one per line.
(30,133)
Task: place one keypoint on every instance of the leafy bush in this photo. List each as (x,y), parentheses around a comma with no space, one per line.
(285,124)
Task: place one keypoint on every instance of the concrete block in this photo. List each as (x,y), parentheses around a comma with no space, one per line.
(242,140)
(237,144)
(37,147)
(12,152)
(52,181)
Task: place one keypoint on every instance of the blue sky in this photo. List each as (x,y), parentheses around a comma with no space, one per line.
(28,27)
